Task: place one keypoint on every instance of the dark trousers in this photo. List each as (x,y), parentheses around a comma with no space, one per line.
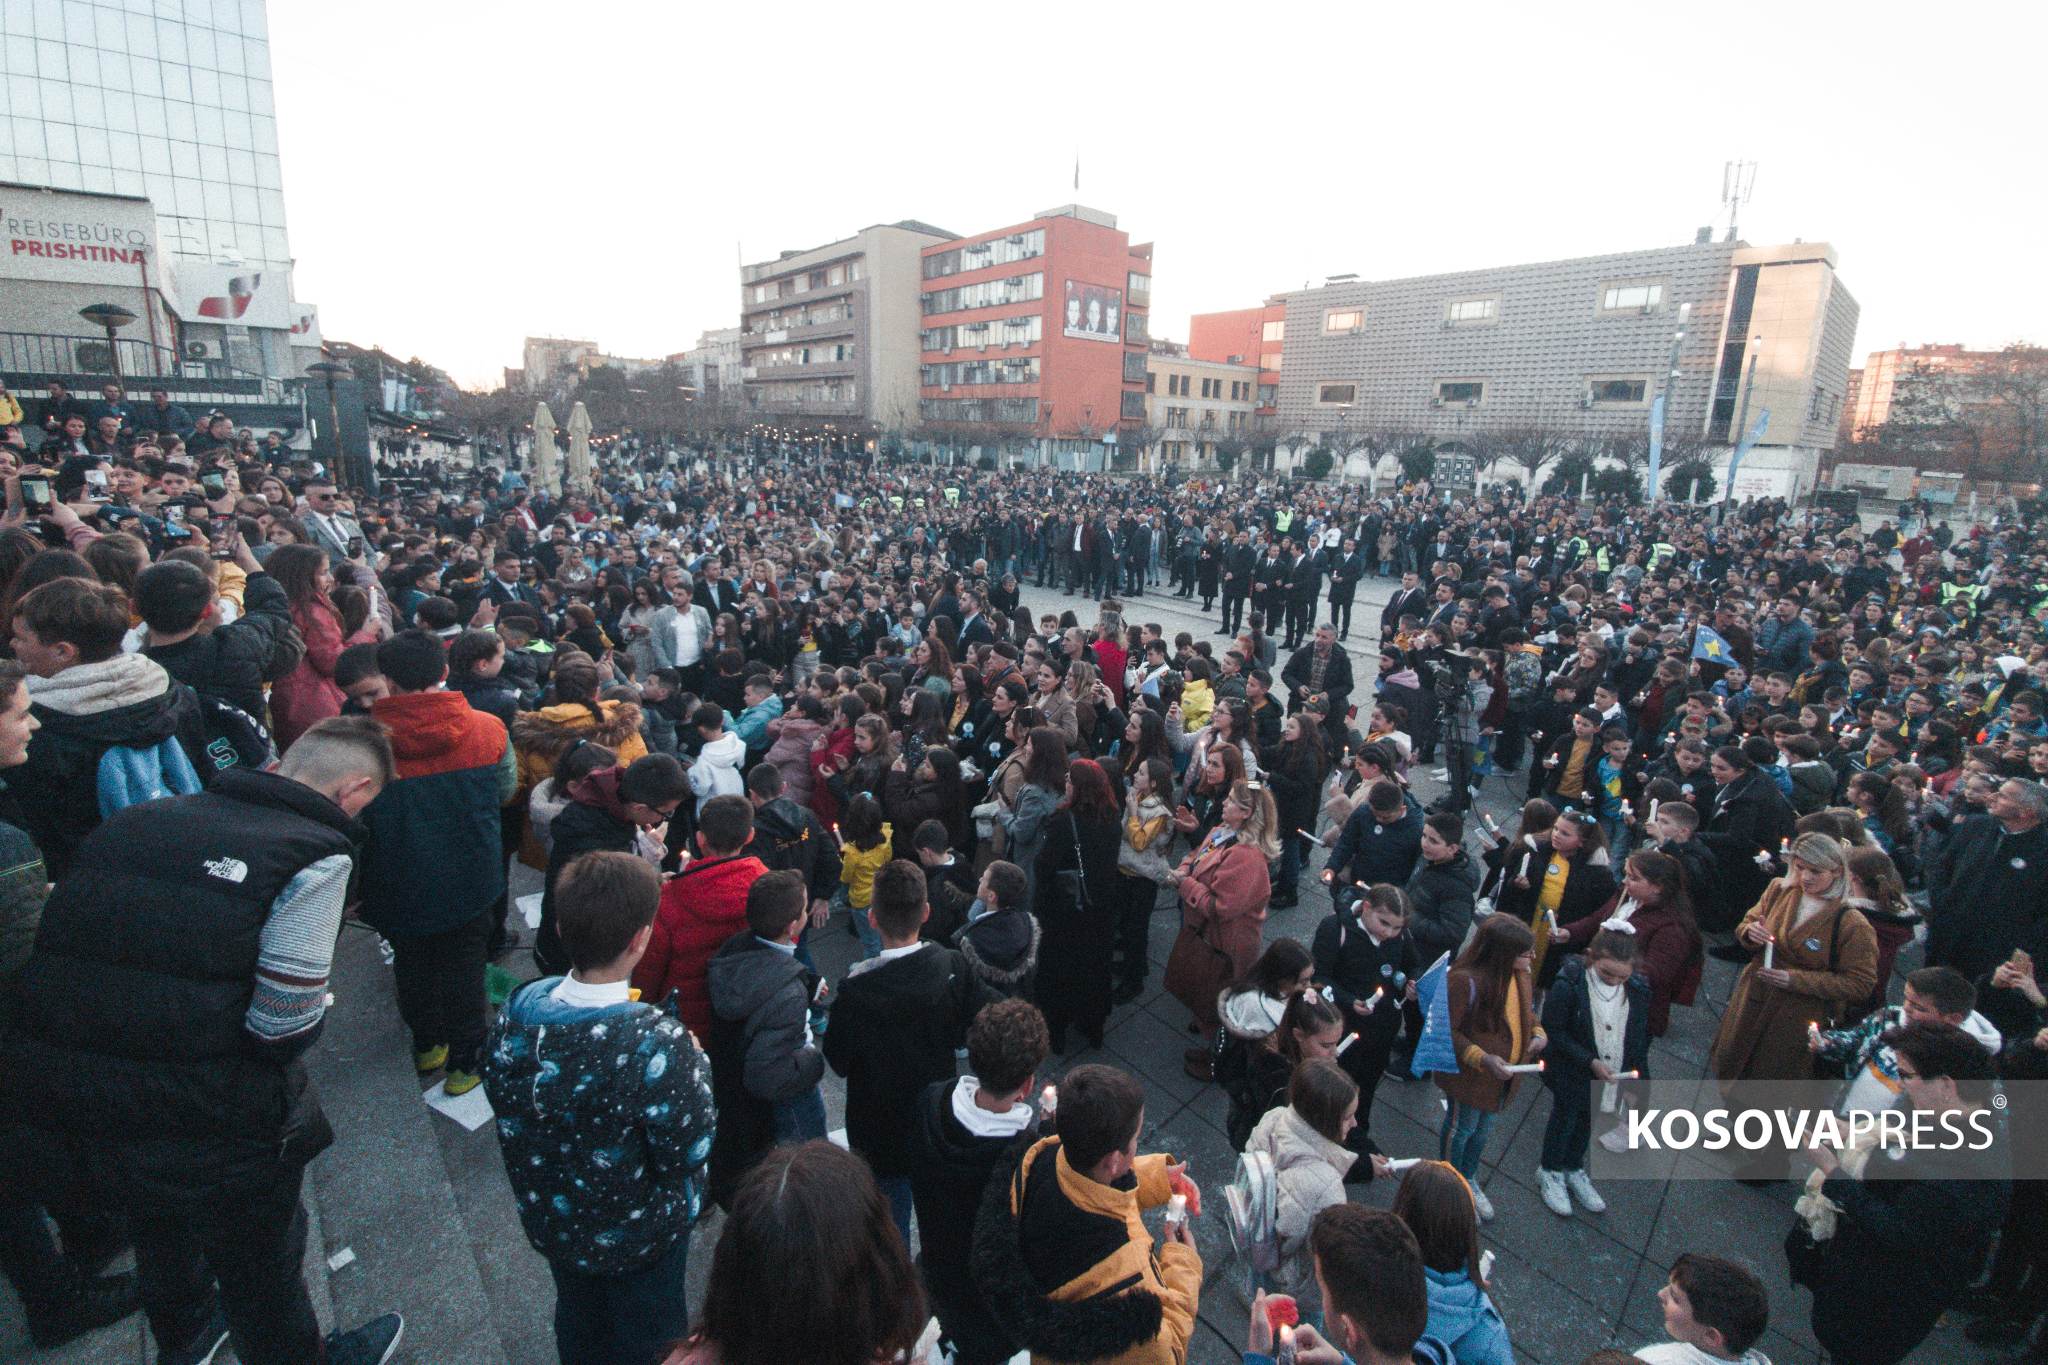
(1365,1062)
(42,1274)
(1301,619)
(250,1242)
(1458,762)
(1233,611)
(1569,1132)
(1340,614)
(440,980)
(1134,577)
(1136,897)
(1507,745)
(622,1319)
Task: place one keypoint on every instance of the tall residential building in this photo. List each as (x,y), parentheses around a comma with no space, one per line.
(545,360)
(714,364)
(829,334)
(1888,378)
(1581,348)
(168,105)
(1245,336)
(1036,335)
(1191,404)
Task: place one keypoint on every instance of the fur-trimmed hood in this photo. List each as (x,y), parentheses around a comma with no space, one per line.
(1101,1327)
(1001,948)
(548,732)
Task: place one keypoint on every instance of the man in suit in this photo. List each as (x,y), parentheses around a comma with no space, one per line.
(1137,557)
(1304,586)
(1320,667)
(1238,563)
(332,529)
(1347,566)
(503,585)
(1408,600)
(1269,587)
(974,627)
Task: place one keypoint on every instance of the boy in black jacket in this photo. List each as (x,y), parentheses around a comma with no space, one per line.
(899,1017)
(1368,965)
(963,1129)
(765,1063)
(949,881)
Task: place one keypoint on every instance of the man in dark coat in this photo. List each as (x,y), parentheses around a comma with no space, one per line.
(1986,888)
(1407,600)
(1238,563)
(1346,568)
(179,977)
(1320,667)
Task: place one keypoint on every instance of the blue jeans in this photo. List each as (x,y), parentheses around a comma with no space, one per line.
(896,1188)
(801,1119)
(870,937)
(1463,1139)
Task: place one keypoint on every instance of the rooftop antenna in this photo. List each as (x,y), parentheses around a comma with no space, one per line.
(1738,178)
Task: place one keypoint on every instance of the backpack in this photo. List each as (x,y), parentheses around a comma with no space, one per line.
(1251,1205)
(129,776)
(1524,675)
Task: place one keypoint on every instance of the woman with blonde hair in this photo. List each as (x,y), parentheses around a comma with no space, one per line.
(1815,957)
(1224,887)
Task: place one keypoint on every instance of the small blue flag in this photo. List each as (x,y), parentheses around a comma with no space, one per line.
(1709,647)
(1434,1050)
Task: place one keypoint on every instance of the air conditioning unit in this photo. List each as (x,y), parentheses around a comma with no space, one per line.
(1437,401)
(946,386)
(202,350)
(1586,402)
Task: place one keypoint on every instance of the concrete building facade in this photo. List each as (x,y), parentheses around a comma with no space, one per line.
(829,335)
(1191,404)
(1580,348)
(1035,336)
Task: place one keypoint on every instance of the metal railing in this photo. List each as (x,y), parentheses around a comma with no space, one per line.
(26,357)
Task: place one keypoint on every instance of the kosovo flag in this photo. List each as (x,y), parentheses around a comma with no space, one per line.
(1434,1050)
(1709,647)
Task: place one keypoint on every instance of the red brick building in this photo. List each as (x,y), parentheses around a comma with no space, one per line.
(1245,336)
(1034,336)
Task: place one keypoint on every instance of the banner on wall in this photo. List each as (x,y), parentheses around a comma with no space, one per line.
(77,238)
(245,296)
(305,329)
(1095,312)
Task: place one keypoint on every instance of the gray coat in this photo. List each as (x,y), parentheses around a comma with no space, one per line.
(1024,831)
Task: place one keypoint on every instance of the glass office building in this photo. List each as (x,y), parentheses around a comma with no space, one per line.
(170,99)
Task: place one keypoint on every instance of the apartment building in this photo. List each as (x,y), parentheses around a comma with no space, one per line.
(1246,336)
(829,335)
(1035,335)
(1191,404)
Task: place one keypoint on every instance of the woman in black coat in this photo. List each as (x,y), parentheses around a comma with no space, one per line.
(933,792)
(1295,769)
(1077,921)
(1749,816)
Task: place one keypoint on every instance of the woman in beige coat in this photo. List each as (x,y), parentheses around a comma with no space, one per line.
(1813,957)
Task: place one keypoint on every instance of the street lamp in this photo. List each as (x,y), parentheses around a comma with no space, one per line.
(331,370)
(111,317)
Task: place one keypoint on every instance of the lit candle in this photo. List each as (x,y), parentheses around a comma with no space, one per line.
(1283,1352)
(1526,1068)
(1653,808)
(1048,1100)
(1770,953)
(1176,1210)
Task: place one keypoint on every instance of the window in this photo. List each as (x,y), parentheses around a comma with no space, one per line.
(1337,320)
(1021,330)
(1134,367)
(1177,418)
(1622,392)
(1273,331)
(1460,391)
(1467,312)
(1019,411)
(1134,405)
(1209,388)
(1018,246)
(1135,328)
(1149,377)
(987,294)
(1631,296)
(1270,361)
(1177,385)
(1008,370)
(1337,394)
(1269,395)
(1237,421)
(1138,288)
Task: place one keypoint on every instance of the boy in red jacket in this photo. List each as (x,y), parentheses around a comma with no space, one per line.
(701,907)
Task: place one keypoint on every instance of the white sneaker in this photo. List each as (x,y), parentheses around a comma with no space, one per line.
(1554,1197)
(1484,1206)
(1441,774)
(1582,1190)
(1615,1139)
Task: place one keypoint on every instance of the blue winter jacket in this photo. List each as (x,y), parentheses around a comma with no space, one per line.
(1463,1318)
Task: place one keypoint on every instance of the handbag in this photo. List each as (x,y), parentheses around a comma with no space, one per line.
(1805,1258)
(1074,880)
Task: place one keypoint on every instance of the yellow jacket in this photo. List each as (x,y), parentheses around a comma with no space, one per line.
(858,866)
(1197,701)
(10,410)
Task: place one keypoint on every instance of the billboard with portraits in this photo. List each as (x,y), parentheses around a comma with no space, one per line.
(1095,312)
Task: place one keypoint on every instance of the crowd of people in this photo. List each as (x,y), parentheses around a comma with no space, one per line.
(721,704)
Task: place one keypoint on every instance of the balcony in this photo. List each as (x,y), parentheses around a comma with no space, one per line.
(792,374)
(31,360)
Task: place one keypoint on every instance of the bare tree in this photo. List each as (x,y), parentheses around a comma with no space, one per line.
(1531,449)
(2012,393)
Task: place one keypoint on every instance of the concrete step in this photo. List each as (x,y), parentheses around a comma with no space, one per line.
(384,1189)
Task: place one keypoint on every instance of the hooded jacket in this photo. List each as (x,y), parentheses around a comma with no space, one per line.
(231,662)
(788,837)
(761,1049)
(717,769)
(1001,949)
(701,907)
(791,753)
(593,821)
(541,737)
(1251,1074)
(893,1033)
(618,1102)
(1067,1268)
(956,1148)
(435,857)
(87,709)
(1462,1317)
(1308,1172)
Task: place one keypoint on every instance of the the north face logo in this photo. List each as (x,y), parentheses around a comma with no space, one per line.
(228,869)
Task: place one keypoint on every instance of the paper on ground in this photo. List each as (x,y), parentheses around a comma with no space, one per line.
(471,1110)
(343,1257)
(529,909)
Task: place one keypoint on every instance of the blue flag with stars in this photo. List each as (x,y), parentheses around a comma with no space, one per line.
(1709,647)
(1434,1050)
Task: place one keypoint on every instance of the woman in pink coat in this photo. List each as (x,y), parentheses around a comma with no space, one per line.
(308,693)
(1224,886)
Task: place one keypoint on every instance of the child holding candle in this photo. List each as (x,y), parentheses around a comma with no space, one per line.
(1304,1139)
(1365,960)
(1597,1017)
(1493,1026)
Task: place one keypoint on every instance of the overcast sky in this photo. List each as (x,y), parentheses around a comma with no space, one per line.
(461,175)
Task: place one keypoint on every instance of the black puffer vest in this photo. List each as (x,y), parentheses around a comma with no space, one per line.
(129,1025)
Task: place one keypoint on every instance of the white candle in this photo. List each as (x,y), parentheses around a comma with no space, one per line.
(1403,1163)
(1653,808)
(1311,838)
(1526,1068)
(1770,953)
(1176,1210)
(1048,1100)
(1283,1351)
(1378,994)
(1627,1075)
